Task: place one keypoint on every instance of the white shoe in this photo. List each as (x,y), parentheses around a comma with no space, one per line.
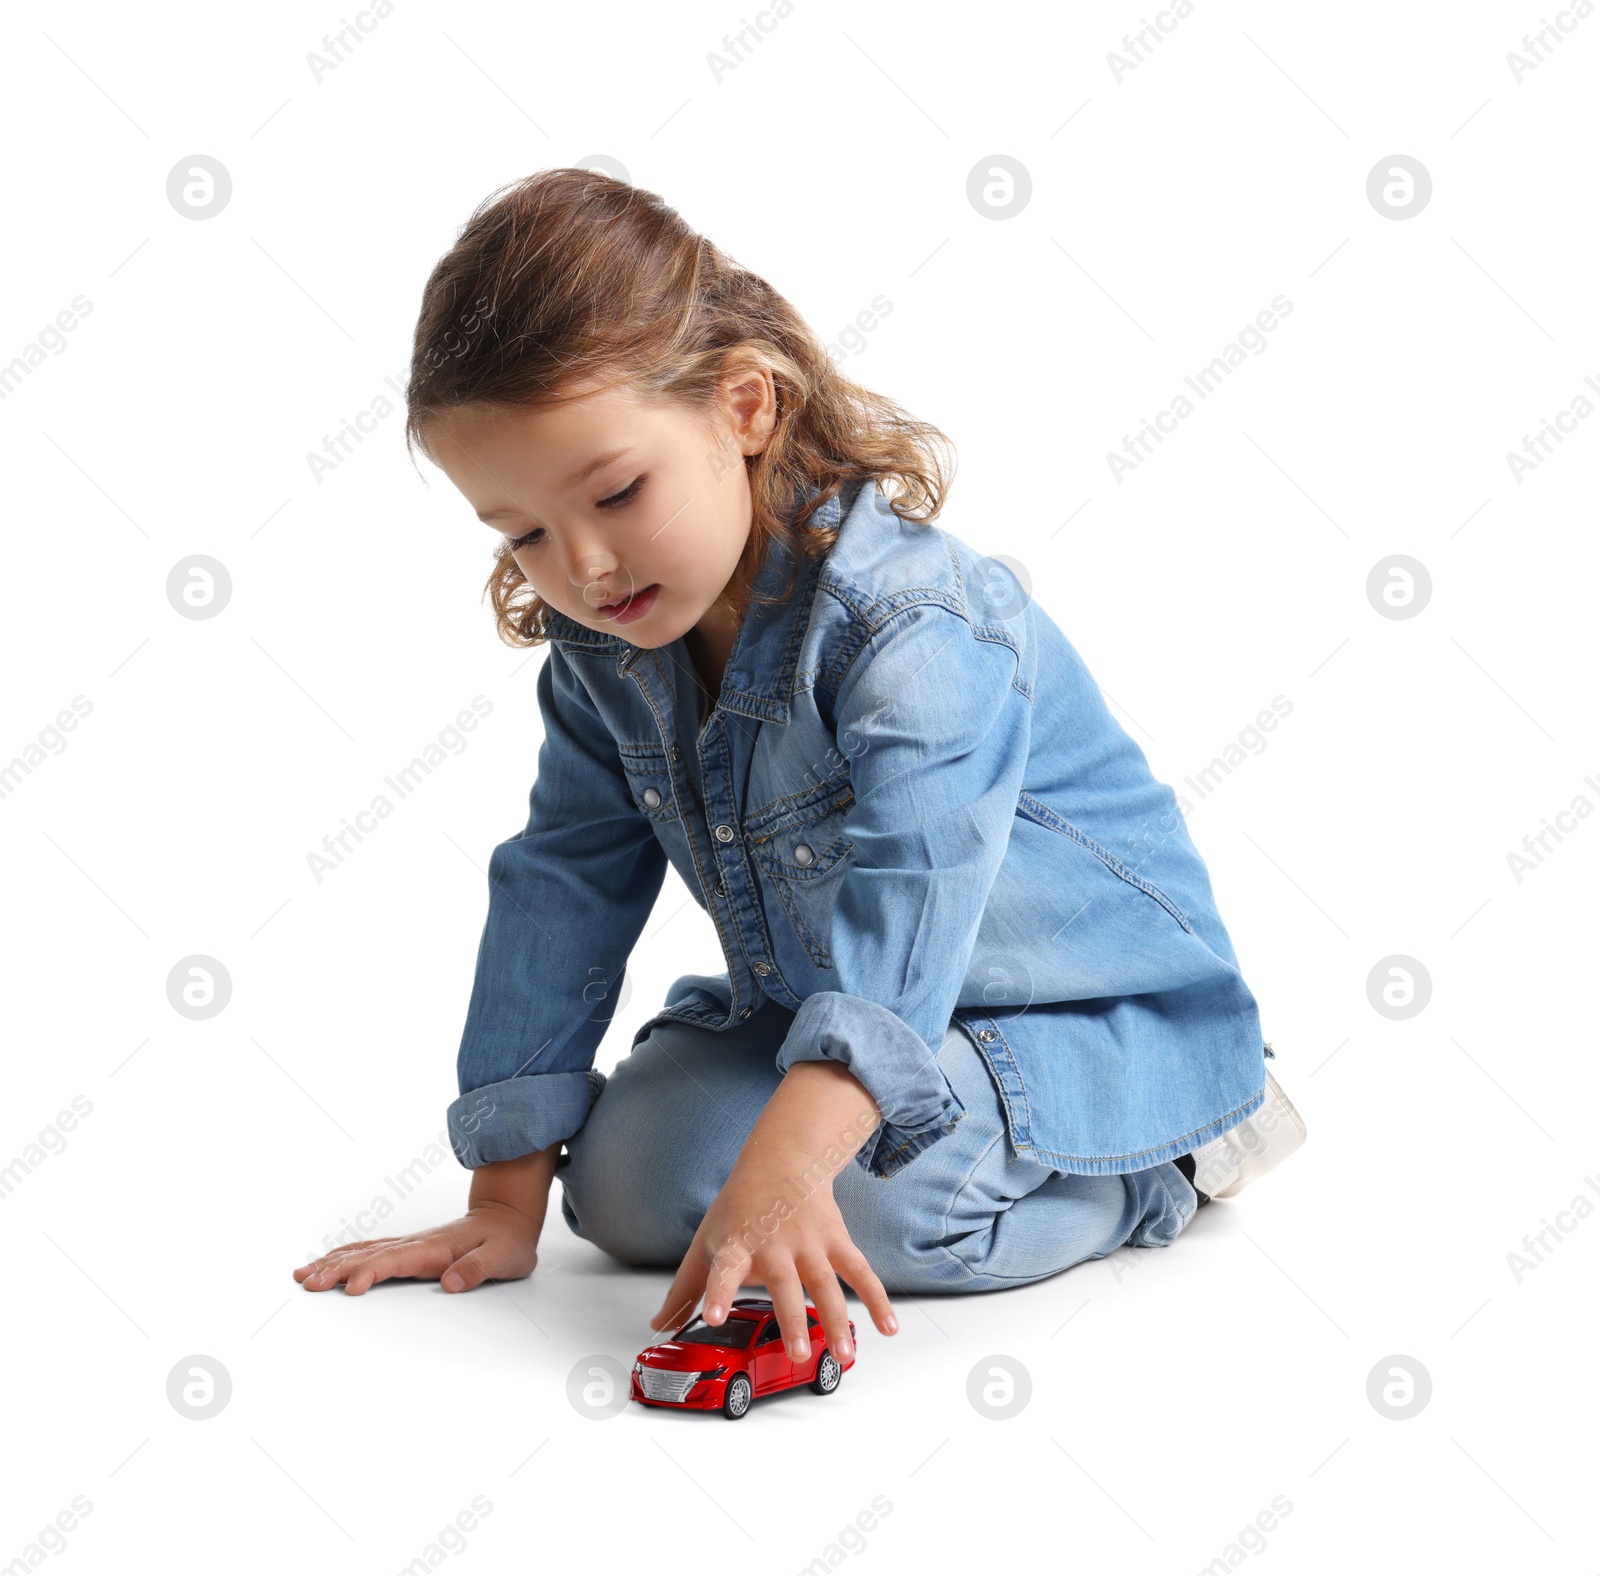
(1229,1164)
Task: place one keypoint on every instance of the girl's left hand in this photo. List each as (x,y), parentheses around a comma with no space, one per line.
(769,1224)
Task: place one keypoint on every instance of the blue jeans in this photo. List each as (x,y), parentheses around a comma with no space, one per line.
(966,1215)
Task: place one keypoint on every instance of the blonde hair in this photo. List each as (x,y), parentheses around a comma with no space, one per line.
(570,275)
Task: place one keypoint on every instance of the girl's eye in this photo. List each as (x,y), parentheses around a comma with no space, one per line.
(628,493)
(615,501)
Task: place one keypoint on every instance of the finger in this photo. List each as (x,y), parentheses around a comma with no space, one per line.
(343,1251)
(851,1263)
(314,1266)
(471,1269)
(397,1256)
(789,1303)
(684,1292)
(675,1310)
(329,1271)
(359,1270)
(429,1256)
(823,1284)
(361,1273)
(730,1265)
(324,1272)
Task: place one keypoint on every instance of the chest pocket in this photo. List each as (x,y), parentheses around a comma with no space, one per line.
(798,845)
(651,781)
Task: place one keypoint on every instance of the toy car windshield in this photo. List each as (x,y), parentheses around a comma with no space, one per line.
(736,1332)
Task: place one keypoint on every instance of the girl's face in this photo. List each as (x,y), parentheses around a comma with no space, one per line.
(625,512)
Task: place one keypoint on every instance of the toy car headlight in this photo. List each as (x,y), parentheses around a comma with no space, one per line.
(711,1373)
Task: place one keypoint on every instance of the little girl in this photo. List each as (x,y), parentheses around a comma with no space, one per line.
(970,946)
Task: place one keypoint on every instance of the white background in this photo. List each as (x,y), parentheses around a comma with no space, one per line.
(1192,1384)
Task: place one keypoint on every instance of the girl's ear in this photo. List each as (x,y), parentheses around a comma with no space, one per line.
(751,399)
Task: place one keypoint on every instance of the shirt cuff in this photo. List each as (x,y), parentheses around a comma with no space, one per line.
(890,1061)
(515,1117)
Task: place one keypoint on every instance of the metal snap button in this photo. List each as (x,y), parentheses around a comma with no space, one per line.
(724,834)
(745,1013)
(676,752)
(721,888)
(763,968)
(803,854)
(986,1034)
(652,797)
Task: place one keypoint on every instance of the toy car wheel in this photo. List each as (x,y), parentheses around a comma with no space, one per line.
(828,1374)
(736,1400)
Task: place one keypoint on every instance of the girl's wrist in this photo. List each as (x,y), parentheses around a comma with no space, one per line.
(815,1123)
(520,1186)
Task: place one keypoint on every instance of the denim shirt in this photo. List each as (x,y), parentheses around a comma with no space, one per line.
(909,810)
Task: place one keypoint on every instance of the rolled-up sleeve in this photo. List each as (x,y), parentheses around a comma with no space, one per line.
(934,718)
(568,897)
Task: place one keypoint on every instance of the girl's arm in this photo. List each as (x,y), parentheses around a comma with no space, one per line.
(568,897)
(775,1220)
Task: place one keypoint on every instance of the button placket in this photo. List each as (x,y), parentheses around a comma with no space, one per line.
(719,799)
(711,793)
(723,834)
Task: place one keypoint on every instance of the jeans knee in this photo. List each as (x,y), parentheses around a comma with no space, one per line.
(612,1191)
(984,1238)
(642,1167)
(619,1225)
(657,1146)
(905,1245)
(613,1197)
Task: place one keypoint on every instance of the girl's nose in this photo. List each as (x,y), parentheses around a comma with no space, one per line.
(595,576)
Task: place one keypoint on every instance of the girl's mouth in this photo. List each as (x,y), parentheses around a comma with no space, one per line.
(630,607)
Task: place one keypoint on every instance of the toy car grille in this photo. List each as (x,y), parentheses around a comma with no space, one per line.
(660,1384)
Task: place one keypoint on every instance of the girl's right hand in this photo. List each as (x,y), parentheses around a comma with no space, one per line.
(491,1241)
(494,1240)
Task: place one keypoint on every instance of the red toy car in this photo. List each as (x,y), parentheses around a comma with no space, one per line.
(706,1366)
